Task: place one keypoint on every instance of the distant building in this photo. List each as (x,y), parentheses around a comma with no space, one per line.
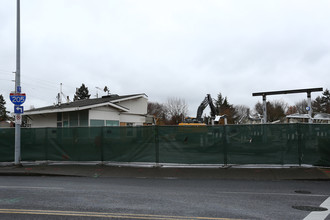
(6,124)
(322,118)
(303,118)
(111,110)
(297,118)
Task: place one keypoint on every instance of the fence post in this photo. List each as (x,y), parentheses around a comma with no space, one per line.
(282,145)
(157,145)
(46,145)
(102,141)
(299,144)
(225,143)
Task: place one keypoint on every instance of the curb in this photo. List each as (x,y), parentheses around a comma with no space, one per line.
(223,173)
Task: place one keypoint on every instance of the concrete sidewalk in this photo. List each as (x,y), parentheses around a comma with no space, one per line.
(248,172)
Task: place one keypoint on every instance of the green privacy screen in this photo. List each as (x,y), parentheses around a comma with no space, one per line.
(230,144)
(7,144)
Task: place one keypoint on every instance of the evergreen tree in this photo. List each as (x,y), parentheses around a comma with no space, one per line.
(81,93)
(3,112)
(322,103)
(317,105)
(326,101)
(224,108)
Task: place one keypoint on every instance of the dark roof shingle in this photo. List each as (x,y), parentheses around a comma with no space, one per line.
(84,102)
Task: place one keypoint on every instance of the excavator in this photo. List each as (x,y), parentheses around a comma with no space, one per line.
(198,121)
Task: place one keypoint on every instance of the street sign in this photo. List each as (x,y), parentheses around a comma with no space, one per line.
(18,109)
(308,108)
(17,98)
(18,119)
(18,89)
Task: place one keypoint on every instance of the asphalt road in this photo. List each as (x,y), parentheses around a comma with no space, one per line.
(35,197)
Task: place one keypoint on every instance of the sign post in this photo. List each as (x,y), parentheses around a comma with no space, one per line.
(18,99)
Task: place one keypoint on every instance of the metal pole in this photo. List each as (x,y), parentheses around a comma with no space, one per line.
(310,111)
(17,85)
(264,108)
(157,145)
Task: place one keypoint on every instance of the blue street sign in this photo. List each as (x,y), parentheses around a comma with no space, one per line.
(17,98)
(18,89)
(18,109)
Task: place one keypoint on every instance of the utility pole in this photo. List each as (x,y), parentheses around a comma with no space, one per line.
(18,88)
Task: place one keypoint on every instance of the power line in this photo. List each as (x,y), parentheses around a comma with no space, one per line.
(6,71)
(7,80)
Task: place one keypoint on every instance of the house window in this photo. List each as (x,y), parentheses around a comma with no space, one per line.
(59,116)
(111,123)
(59,119)
(65,124)
(96,123)
(65,119)
(73,119)
(83,118)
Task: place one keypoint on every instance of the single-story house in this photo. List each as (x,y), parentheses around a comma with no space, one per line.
(298,118)
(111,110)
(318,118)
(322,118)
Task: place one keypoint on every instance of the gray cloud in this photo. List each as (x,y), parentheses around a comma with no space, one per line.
(182,49)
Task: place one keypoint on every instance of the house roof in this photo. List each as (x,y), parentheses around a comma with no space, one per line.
(299,116)
(317,116)
(111,100)
(322,116)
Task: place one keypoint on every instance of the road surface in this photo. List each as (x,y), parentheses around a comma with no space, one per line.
(37,197)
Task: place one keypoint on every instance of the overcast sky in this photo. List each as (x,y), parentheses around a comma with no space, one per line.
(183,49)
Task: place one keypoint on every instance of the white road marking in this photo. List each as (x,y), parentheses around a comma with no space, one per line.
(31,187)
(322,214)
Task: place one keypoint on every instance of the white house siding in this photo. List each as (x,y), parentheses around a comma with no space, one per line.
(108,113)
(135,106)
(104,113)
(45,120)
(137,120)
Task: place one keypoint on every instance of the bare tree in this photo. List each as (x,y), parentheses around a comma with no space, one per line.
(176,109)
(158,111)
(275,110)
(301,106)
(242,113)
(291,110)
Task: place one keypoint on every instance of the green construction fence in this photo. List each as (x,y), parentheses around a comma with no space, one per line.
(229,144)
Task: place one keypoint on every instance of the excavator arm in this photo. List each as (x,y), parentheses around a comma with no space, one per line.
(207,101)
(199,120)
(201,108)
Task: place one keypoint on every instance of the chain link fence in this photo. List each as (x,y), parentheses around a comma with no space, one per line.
(230,144)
